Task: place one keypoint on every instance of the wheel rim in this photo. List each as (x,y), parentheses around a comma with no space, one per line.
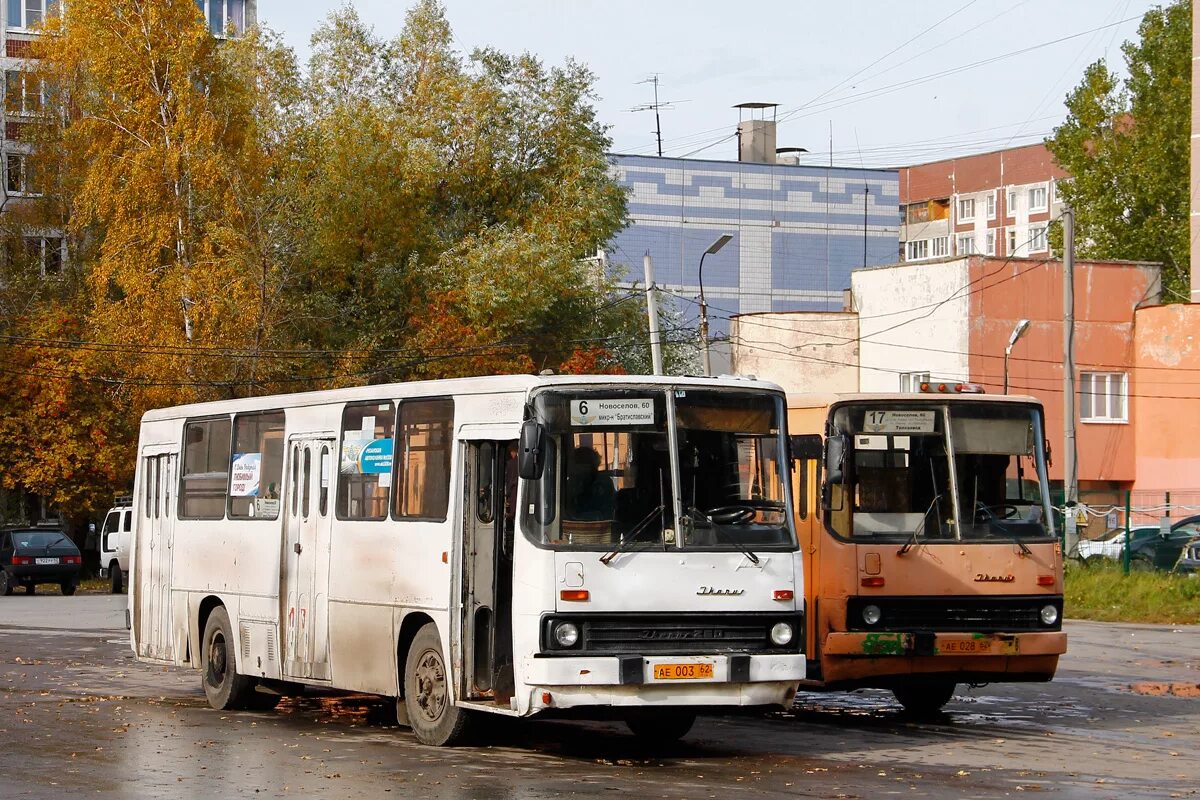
(430,677)
(217,660)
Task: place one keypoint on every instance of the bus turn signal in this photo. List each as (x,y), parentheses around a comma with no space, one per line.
(575,595)
(873,581)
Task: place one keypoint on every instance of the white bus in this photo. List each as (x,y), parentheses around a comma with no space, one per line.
(506,544)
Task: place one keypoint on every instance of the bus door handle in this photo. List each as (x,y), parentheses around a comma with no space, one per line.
(297,548)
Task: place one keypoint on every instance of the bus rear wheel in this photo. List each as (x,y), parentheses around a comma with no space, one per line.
(431,712)
(926,698)
(223,686)
(659,725)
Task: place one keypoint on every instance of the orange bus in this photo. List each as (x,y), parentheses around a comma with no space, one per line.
(930,555)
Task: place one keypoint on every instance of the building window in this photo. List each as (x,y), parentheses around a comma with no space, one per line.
(966,209)
(1012,202)
(44,253)
(1037,199)
(918,250)
(222,13)
(19,177)
(989,243)
(911,381)
(1102,396)
(1012,241)
(23,92)
(941,246)
(26,13)
(991,205)
(966,244)
(1037,239)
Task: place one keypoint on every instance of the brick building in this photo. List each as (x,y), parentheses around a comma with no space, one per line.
(995,204)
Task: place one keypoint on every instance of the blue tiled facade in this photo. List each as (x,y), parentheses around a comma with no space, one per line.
(797,231)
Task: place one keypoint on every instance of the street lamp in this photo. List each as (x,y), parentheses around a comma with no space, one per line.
(1018,331)
(721,241)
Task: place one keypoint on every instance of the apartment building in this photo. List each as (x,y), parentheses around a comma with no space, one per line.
(994,204)
(24,98)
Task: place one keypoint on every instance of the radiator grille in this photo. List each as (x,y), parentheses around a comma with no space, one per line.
(949,614)
(676,633)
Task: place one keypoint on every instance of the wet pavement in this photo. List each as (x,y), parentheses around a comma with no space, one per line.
(79,716)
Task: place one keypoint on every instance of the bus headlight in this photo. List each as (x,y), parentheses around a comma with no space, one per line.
(871,614)
(566,634)
(1049,615)
(781,633)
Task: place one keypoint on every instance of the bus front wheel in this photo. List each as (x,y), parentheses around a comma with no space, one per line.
(431,712)
(926,698)
(224,687)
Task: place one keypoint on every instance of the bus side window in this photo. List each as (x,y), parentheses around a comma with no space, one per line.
(365,467)
(205,470)
(423,459)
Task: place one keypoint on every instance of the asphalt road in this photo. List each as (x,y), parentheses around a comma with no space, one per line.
(79,716)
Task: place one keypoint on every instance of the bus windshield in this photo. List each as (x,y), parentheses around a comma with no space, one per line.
(963,471)
(617,459)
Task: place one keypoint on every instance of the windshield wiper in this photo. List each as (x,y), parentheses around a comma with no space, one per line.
(912,540)
(729,538)
(627,541)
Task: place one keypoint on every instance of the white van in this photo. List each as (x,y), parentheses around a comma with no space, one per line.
(114,543)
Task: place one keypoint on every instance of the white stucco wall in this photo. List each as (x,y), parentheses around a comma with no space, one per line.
(912,318)
(802,351)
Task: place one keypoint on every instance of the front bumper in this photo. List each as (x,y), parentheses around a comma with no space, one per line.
(1036,643)
(737,679)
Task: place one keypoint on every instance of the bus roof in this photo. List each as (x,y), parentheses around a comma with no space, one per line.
(489,384)
(825,399)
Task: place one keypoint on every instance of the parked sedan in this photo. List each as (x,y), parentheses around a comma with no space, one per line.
(29,556)
(1148,547)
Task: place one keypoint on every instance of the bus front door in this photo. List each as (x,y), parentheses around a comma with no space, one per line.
(488,524)
(305,557)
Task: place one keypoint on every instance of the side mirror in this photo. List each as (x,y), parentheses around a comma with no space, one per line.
(835,458)
(531,452)
(805,446)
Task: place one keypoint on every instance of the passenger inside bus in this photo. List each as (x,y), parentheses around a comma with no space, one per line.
(589,494)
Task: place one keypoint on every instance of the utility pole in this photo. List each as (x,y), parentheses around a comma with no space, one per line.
(1070,453)
(652,312)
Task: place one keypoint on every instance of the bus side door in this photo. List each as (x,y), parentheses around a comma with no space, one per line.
(305,558)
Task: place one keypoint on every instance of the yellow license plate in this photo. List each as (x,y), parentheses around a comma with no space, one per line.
(682,672)
(989,646)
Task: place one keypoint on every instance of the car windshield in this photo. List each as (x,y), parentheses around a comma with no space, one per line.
(960,471)
(610,478)
(35,539)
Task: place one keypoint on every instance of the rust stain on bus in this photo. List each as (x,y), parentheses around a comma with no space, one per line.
(883,644)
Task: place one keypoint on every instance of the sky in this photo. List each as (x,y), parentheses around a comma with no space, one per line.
(893,83)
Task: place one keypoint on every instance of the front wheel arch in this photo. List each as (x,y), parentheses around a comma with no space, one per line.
(412,623)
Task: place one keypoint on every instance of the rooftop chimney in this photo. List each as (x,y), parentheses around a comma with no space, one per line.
(756,133)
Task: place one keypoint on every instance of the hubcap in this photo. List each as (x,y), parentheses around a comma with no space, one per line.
(216,660)
(430,675)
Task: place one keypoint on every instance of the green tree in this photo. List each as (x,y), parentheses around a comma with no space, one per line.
(1127,147)
(454,200)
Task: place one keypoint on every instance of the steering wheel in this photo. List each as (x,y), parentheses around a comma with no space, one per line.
(731,515)
(1008,511)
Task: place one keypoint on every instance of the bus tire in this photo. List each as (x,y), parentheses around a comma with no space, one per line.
(432,715)
(223,686)
(926,698)
(659,725)
(117,584)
